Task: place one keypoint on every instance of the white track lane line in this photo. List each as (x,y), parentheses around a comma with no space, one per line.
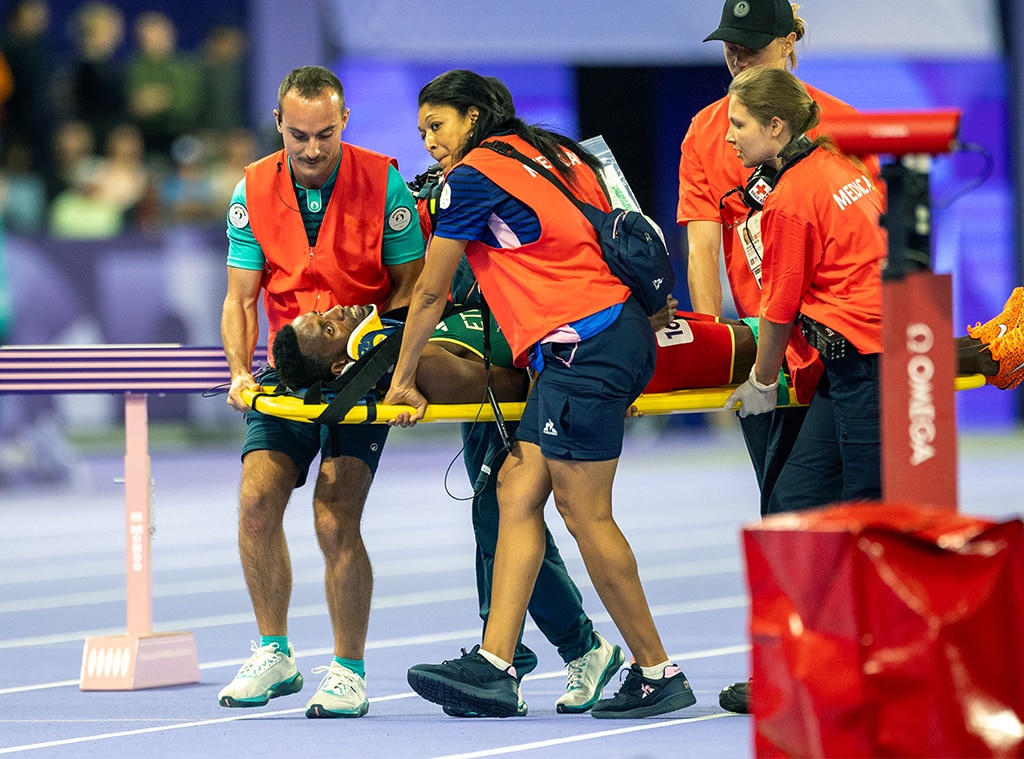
(704,654)
(517,748)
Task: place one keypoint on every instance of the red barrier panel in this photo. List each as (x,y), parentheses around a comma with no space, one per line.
(896,133)
(886,631)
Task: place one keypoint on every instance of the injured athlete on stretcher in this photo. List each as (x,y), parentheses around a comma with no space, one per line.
(694,351)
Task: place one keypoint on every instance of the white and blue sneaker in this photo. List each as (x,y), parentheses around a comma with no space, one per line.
(267,674)
(342,693)
(587,677)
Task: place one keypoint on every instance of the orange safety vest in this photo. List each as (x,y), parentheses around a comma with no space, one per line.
(346,265)
(561,277)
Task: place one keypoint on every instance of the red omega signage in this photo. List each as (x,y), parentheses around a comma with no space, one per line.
(917,373)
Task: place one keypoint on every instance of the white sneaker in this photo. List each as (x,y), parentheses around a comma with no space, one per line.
(342,693)
(587,677)
(269,673)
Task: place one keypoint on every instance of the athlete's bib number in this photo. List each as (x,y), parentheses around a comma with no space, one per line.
(678,332)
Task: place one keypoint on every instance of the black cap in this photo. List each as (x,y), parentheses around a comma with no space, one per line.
(754,23)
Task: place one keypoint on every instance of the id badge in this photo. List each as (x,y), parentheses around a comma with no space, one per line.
(749,231)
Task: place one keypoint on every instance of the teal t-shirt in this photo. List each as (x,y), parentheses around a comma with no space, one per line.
(399,246)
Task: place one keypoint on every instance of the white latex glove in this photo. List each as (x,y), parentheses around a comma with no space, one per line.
(754,397)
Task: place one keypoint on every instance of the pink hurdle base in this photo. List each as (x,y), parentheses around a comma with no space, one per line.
(134,662)
(140,658)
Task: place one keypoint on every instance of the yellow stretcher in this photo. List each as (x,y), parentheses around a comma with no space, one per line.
(691,401)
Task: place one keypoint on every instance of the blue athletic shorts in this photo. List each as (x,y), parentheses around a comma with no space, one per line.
(302,441)
(576,410)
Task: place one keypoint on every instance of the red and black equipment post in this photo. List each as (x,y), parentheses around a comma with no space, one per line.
(918,364)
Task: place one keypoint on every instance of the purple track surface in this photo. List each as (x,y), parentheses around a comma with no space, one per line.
(681,499)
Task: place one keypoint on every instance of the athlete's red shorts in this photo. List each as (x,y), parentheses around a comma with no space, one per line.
(694,351)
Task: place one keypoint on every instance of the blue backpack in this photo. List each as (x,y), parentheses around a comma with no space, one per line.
(632,244)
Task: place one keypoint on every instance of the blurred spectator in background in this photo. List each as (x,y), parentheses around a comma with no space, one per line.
(86,129)
(164,88)
(28,110)
(97,86)
(81,212)
(23,196)
(72,143)
(61,107)
(236,149)
(225,75)
(186,192)
(6,84)
(125,179)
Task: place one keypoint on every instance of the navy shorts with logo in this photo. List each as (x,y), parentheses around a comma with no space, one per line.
(576,410)
(303,442)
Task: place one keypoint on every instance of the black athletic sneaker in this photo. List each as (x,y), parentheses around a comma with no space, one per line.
(736,698)
(468,684)
(640,697)
(525,662)
(521,711)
